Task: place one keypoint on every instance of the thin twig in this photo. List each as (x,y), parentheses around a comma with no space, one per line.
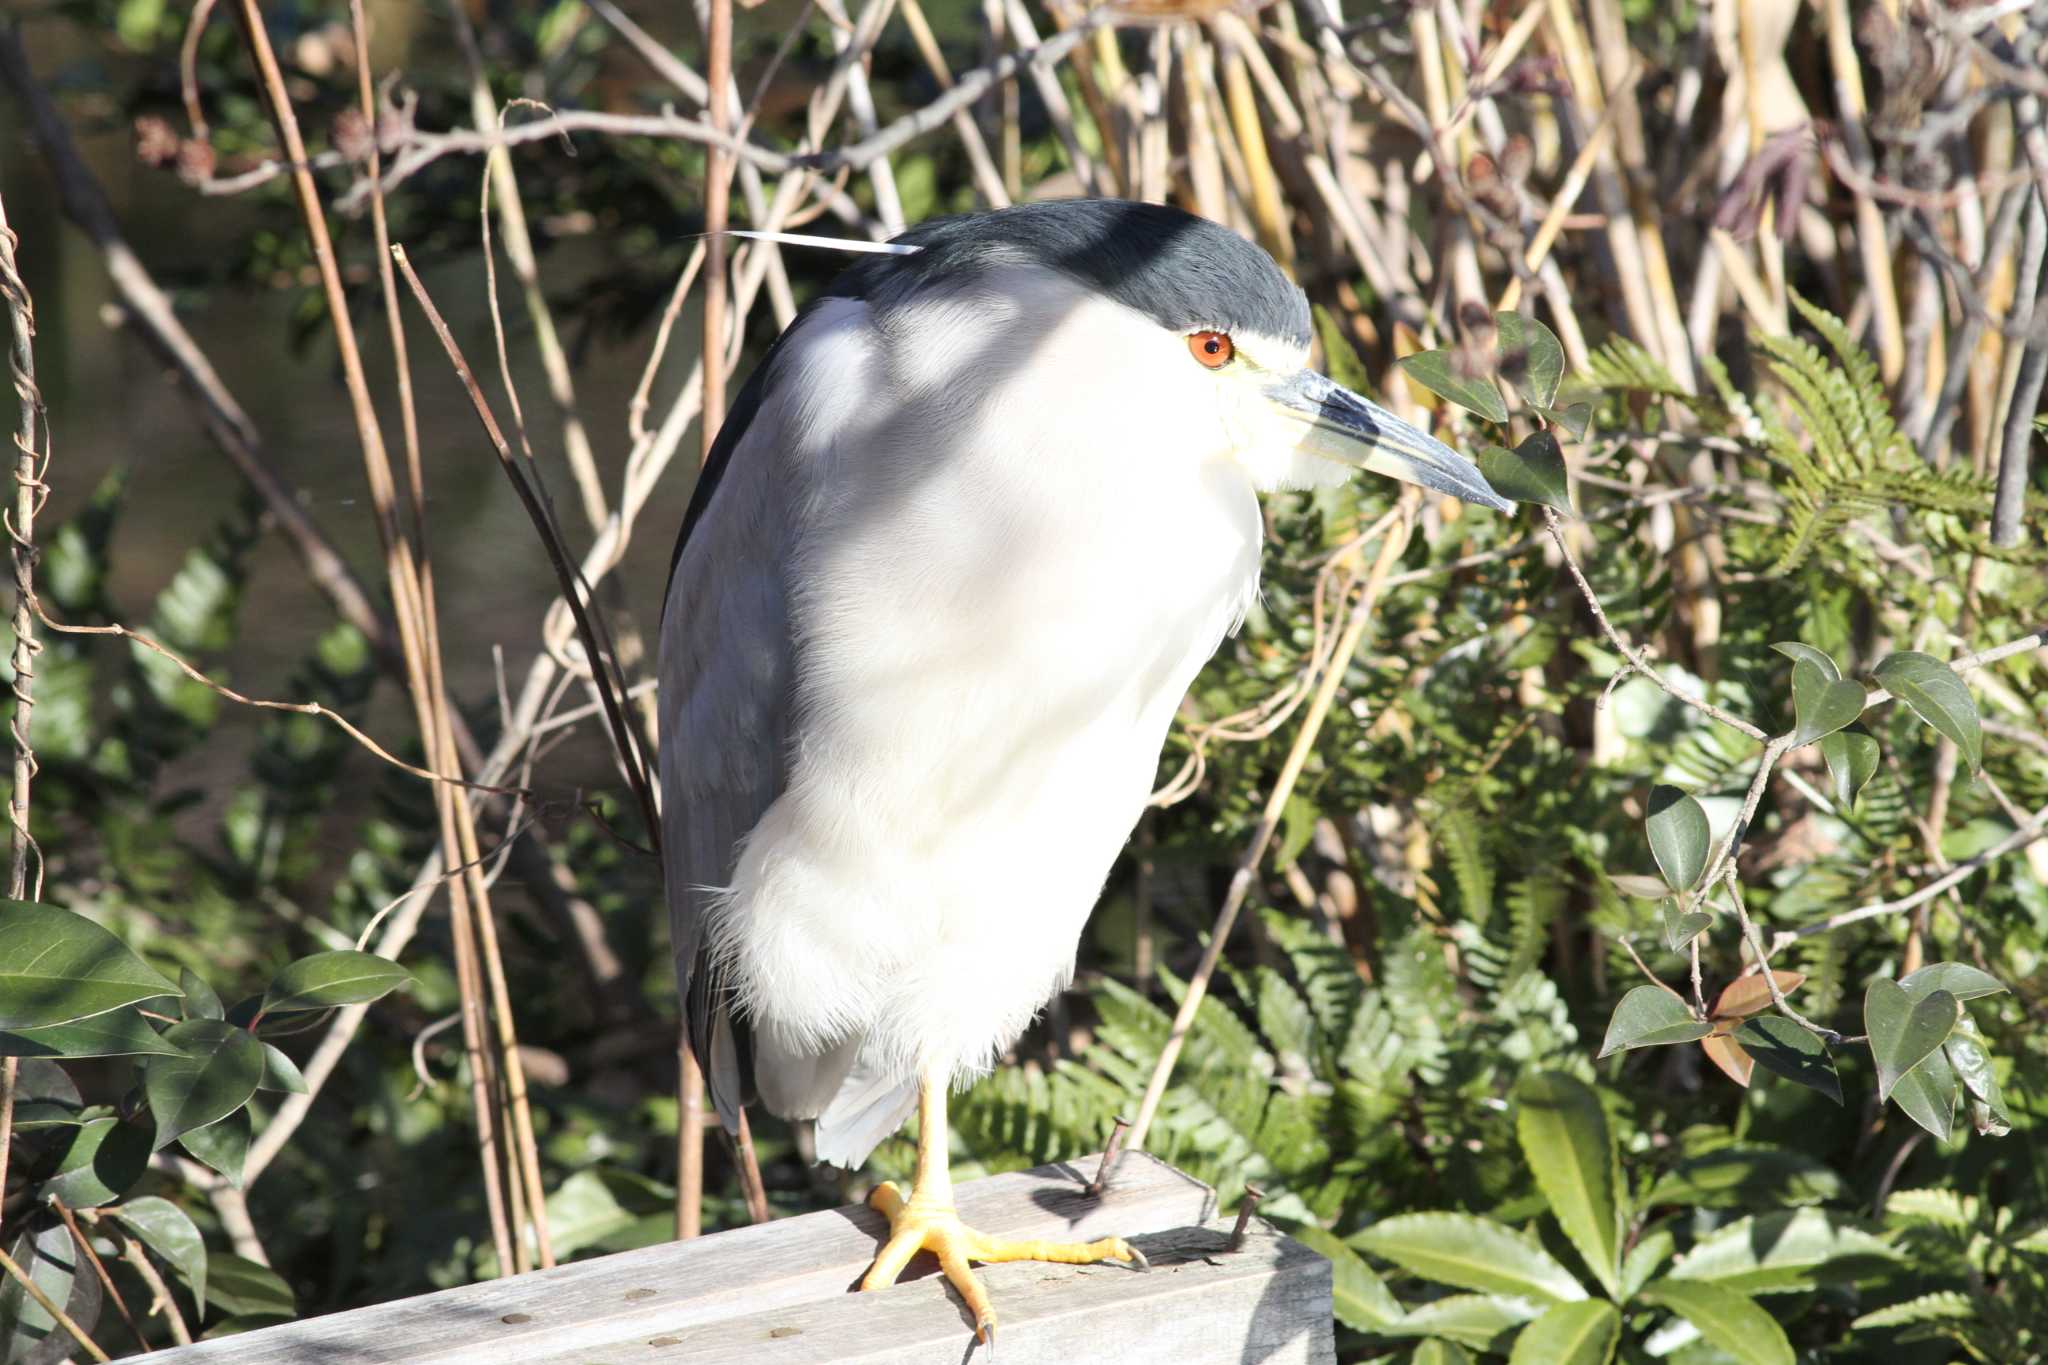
(99,1268)
(1269,820)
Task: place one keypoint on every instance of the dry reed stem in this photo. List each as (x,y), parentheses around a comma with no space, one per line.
(1394,541)
(403,574)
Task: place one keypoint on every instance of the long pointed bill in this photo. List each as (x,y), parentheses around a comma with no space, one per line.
(1343,427)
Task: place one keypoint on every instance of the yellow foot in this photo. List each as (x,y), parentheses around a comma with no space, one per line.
(914,1227)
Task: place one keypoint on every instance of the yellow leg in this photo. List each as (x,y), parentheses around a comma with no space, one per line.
(926,1221)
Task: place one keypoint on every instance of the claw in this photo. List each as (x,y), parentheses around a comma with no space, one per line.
(1138,1261)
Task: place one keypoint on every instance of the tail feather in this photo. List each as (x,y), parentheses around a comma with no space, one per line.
(871,1103)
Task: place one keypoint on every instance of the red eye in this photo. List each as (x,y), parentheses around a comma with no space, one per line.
(1213,349)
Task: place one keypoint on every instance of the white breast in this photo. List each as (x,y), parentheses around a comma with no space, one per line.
(993,640)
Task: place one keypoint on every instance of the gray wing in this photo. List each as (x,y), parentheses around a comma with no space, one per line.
(727,669)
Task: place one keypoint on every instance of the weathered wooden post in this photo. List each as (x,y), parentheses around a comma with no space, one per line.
(777,1294)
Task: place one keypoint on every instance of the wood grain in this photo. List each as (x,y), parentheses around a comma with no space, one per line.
(792,1263)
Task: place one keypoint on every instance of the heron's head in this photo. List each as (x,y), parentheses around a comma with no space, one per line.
(1142,322)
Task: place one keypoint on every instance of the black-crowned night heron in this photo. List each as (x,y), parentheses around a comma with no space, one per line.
(967,535)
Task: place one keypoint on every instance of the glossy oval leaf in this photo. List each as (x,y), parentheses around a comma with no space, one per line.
(1442,372)
(280,1072)
(1531,357)
(48,1256)
(1787,1249)
(1927,1094)
(1363,1301)
(1679,930)
(200,1000)
(1728,1320)
(1822,707)
(1819,658)
(1959,979)
(223,1145)
(1650,1016)
(1786,1049)
(1938,695)
(1852,761)
(218,1069)
(1470,1252)
(117,1033)
(1439,1351)
(1532,472)
(1570,1150)
(242,1288)
(1570,1334)
(168,1231)
(104,1160)
(326,980)
(1679,836)
(56,967)
(1904,1031)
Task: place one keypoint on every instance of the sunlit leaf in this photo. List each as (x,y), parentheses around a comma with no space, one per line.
(168,1231)
(1746,995)
(104,1160)
(1363,1301)
(1570,1150)
(1821,706)
(1650,1016)
(1570,1334)
(1787,1249)
(117,1033)
(1939,697)
(56,967)
(1442,373)
(1531,357)
(1852,761)
(1680,930)
(1731,1321)
(1679,836)
(1532,472)
(1904,1031)
(218,1069)
(1959,979)
(1470,1252)
(1819,658)
(325,980)
(1928,1093)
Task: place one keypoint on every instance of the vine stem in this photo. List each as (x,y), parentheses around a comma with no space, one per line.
(1394,529)
(32,454)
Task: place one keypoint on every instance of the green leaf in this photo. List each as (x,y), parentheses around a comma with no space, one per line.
(1788,1249)
(1481,1321)
(1438,1351)
(50,1257)
(1728,1320)
(1927,1094)
(1470,1252)
(1679,836)
(1959,979)
(222,1145)
(238,1286)
(325,980)
(1680,930)
(1819,658)
(1786,1049)
(1532,472)
(1947,1305)
(1821,706)
(1939,697)
(167,1230)
(200,1001)
(218,1070)
(105,1159)
(280,1072)
(117,1033)
(1570,1334)
(1903,1031)
(56,967)
(1364,1303)
(1972,1064)
(1570,1150)
(1441,372)
(1530,356)
(1650,1016)
(1852,761)
(1741,1175)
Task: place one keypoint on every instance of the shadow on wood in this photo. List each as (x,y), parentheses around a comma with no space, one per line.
(777,1294)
